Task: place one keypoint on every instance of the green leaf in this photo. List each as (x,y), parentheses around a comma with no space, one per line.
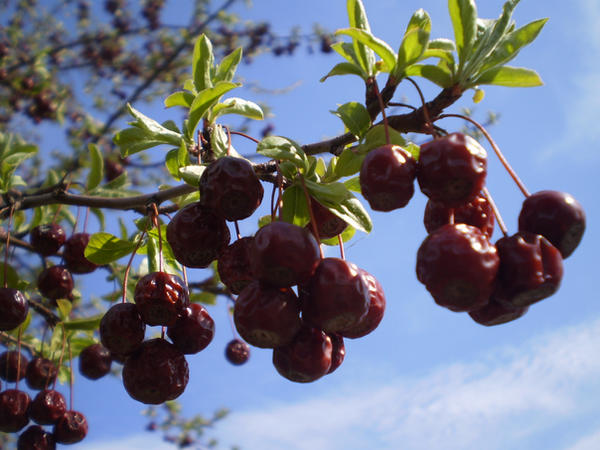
(464,20)
(355,116)
(440,48)
(411,49)
(510,76)
(345,68)
(436,74)
(295,209)
(104,248)
(96,167)
(64,308)
(205,100)
(346,51)
(349,162)
(380,47)
(226,70)
(353,184)
(419,20)
(191,174)
(202,63)
(357,18)
(237,106)
(277,147)
(264,220)
(12,277)
(84,324)
(206,298)
(180,98)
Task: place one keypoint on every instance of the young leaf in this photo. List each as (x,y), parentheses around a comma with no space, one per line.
(237,106)
(84,324)
(176,158)
(353,184)
(202,63)
(411,49)
(419,20)
(357,18)
(464,20)
(295,209)
(345,68)
(436,74)
(205,100)
(349,162)
(180,98)
(383,50)
(64,308)
(226,70)
(96,167)
(285,149)
(510,76)
(191,174)
(104,248)
(355,116)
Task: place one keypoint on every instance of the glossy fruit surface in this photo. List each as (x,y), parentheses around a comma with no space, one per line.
(13,365)
(55,282)
(73,254)
(387,177)
(496,313)
(307,358)
(338,351)
(337,297)
(71,428)
(231,188)
(122,329)
(94,361)
(555,215)
(452,169)
(160,298)
(328,224)
(36,438)
(40,372)
(237,352)
(13,308)
(284,255)
(47,407)
(376,309)
(266,317)
(14,405)
(234,265)
(47,239)
(156,372)
(458,266)
(478,213)
(197,235)
(193,331)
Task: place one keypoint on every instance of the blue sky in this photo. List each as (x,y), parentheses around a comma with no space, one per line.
(426,378)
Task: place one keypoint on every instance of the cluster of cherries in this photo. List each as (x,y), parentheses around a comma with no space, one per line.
(457,263)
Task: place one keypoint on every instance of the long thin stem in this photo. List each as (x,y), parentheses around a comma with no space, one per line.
(497,214)
(382,107)
(128,268)
(424,106)
(6,249)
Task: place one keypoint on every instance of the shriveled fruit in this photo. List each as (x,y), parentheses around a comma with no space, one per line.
(55,282)
(156,372)
(197,235)
(47,407)
(73,254)
(234,265)
(376,309)
(193,331)
(496,313)
(387,177)
(122,329)
(94,361)
(478,213)
(47,239)
(555,215)
(71,428)
(458,266)
(40,372)
(14,405)
(266,317)
(237,352)
(328,224)
(36,438)
(160,298)
(13,365)
(452,169)
(231,188)
(338,351)
(13,308)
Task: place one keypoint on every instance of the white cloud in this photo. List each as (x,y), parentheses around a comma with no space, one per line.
(494,403)
(591,442)
(145,441)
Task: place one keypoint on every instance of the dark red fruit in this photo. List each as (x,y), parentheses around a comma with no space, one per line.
(94,361)
(197,235)
(47,407)
(234,265)
(55,282)
(230,187)
(14,405)
(47,239)
(338,351)
(71,428)
(40,373)
(328,224)
(73,254)
(160,298)
(387,177)
(452,169)
(193,331)
(267,317)
(13,365)
(555,215)
(496,313)
(36,438)
(122,329)
(156,372)
(458,266)
(237,352)
(530,269)
(307,358)
(337,297)
(112,169)
(376,309)
(284,255)
(477,213)
(13,309)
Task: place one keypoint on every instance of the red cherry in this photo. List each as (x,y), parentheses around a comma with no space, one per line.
(36,438)
(237,352)
(122,329)
(47,407)
(338,351)
(55,282)
(94,361)
(73,254)
(496,313)
(328,224)
(193,331)
(160,298)
(376,309)
(13,309)
(13,365)
(47,239)
(234,265)
(71,428)
(40,373)
(14,405)
(477,213)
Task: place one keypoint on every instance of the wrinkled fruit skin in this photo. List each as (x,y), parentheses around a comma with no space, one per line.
(266,317)
(284,255)
(555,215)
(197,235)
(157,372)
(307,358)
(193,331)
(55,282)
(94,361)
(73,255)
(71,428)
(530,270)
(122,329)
(234,265)
(496,313)
(338,351)
(452,169)
(230,187)
(160,298)
(237,352)
(47,239)
(387,177)
(13,308)
(36,438)
(477,213)
(13,365)
(47,407)
(376,309)
(337,297)
(14,405)
(40,372)
(328,224)
(458,266)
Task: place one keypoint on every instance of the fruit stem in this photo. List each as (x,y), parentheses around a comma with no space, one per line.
(156,223)
(273,202)
(425,109)
(501,157)
(62,353)
(70,377)
(6,248)
(280,189)
(228,141)
(342,252)
(87,216)
(382,107)
(20,333)
(313,221)
(128,268)
(245,135)
(490,200)
(237,229)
